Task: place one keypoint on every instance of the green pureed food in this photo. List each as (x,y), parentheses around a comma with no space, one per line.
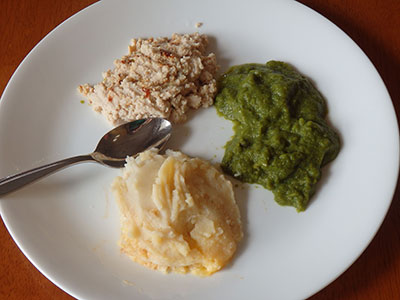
(281,139)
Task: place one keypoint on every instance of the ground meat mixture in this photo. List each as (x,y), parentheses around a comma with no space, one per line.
(162,77)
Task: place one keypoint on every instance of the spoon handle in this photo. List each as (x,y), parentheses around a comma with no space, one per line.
(13,182)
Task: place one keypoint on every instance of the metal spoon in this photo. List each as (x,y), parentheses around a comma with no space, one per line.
(125,140)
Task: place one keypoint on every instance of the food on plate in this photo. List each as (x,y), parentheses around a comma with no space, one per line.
(177,213)
(162,77)
(281,139)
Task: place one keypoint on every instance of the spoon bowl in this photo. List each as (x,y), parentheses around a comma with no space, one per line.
(125,140)
(131,139)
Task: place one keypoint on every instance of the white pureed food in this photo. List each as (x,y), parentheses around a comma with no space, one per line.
(177,213)
(162,77)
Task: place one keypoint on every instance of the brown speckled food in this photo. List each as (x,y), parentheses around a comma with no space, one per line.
(162,77)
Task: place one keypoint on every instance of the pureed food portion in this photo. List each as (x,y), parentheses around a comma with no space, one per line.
(177,213)
(163,77)
(281,138)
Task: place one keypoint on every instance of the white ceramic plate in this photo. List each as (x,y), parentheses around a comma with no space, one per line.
(67,224)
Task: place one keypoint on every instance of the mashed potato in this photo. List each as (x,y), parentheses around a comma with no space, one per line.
(177,213)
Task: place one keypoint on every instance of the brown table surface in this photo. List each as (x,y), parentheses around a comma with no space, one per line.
(373,24)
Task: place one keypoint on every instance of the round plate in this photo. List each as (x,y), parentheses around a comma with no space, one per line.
(68,224)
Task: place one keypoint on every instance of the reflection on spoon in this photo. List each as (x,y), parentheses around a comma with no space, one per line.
(126,140)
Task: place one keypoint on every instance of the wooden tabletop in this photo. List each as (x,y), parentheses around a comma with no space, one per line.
(373,24)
